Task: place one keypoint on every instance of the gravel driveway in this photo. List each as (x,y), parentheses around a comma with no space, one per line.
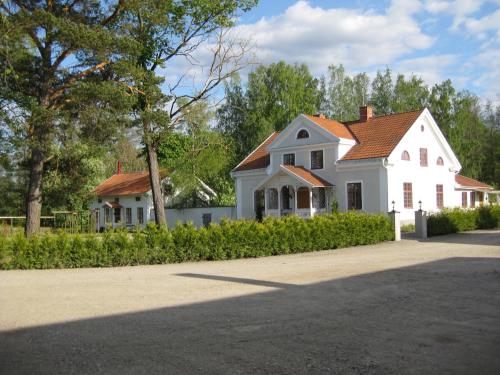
(430,307)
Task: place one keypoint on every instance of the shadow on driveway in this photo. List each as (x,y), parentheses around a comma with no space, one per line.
(433,318)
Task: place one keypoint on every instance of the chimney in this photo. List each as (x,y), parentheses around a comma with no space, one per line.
(365,113)
(119,167)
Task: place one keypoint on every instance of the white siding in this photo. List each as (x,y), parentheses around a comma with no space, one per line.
(125,202)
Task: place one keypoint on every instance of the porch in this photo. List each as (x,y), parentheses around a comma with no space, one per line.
(293,190)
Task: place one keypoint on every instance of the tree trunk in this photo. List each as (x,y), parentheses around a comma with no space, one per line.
(155,179)
(34,197)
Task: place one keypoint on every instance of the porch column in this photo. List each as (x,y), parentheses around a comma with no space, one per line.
(295,200)
(311,201)
(279,201)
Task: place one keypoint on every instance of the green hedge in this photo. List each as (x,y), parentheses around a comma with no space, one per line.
(457,220)
(229,240)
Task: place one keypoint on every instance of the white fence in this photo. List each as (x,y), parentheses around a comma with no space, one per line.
(199,216)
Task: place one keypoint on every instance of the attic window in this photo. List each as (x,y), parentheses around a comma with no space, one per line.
(302,134)
(439,161)
(99,200)
(422,128)
(405,155)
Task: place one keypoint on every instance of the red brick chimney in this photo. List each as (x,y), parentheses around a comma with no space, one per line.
(365,113)
(119,167)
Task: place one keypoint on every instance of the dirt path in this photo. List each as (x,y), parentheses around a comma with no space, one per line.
(409,307)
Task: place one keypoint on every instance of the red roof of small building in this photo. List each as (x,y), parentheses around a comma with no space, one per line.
(125,184)
(307,175)
(332,126)
(258,158)
(470,182)
(378,136)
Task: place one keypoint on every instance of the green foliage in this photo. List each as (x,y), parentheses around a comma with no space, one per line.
(407,228)
(274,96)
(229,240)
(457,220)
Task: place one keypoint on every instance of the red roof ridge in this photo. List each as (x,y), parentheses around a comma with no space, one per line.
(341,129)
(358,121)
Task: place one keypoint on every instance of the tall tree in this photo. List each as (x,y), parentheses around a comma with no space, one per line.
(409,94)
(48,52)
(441,105)
(490,171)
(167,30)
(382,93)
(275,95)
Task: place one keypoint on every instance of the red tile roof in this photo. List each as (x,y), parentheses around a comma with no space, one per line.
(259,158)
(307,175)
(125,184)
(334,127)
(375,138)
(470,182)
(378,136)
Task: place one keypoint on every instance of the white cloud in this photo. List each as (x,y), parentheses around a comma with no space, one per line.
(357,38)
(433,68)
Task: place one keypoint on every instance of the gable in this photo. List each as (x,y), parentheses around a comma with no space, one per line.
(288,136)
(431,138)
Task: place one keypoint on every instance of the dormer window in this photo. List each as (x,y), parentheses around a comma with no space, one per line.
(439,161)
(302,134)
(405,155)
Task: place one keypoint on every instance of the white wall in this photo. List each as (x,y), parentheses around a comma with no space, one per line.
(423,179)
(126,202)
(195,215)
(245,186)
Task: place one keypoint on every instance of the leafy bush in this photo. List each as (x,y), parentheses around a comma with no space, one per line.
(229,240)
(458,219)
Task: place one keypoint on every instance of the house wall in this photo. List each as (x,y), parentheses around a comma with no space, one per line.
(245,187)
(423,179)
(126,202)
(373,193)
(195,215)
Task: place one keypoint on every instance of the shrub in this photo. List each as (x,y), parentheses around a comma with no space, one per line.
(229,240)
(458,219)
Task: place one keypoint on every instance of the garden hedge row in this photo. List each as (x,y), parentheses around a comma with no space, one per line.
(229,240)
(457,220)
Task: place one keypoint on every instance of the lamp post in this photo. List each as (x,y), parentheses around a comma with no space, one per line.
(420,205)
(393,203)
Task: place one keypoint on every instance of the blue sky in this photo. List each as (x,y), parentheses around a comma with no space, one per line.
(435,39)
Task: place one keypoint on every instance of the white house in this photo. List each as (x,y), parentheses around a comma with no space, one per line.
(125,200)
(374,164)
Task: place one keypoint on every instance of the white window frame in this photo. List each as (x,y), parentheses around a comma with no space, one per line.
(310,159)
(288,153)
(362,194)
(298,131)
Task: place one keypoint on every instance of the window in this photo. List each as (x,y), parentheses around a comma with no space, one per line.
(405,155)
(439,161)
(317,159)
(272,199)
(140,215)
(422,128)
(137,199)
(464,199)
(289,159)
(128,215)
(287,195)
(152,214)
(408,195)
(319,197)
(472,199)
(207,219)
(303,198)
(354,196)
(302,134)
(439,196)
(118,215)
(99,200)
(117,200)
(423,157)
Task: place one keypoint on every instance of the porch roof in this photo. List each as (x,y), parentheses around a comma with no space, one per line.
(113,204)
(300,174)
